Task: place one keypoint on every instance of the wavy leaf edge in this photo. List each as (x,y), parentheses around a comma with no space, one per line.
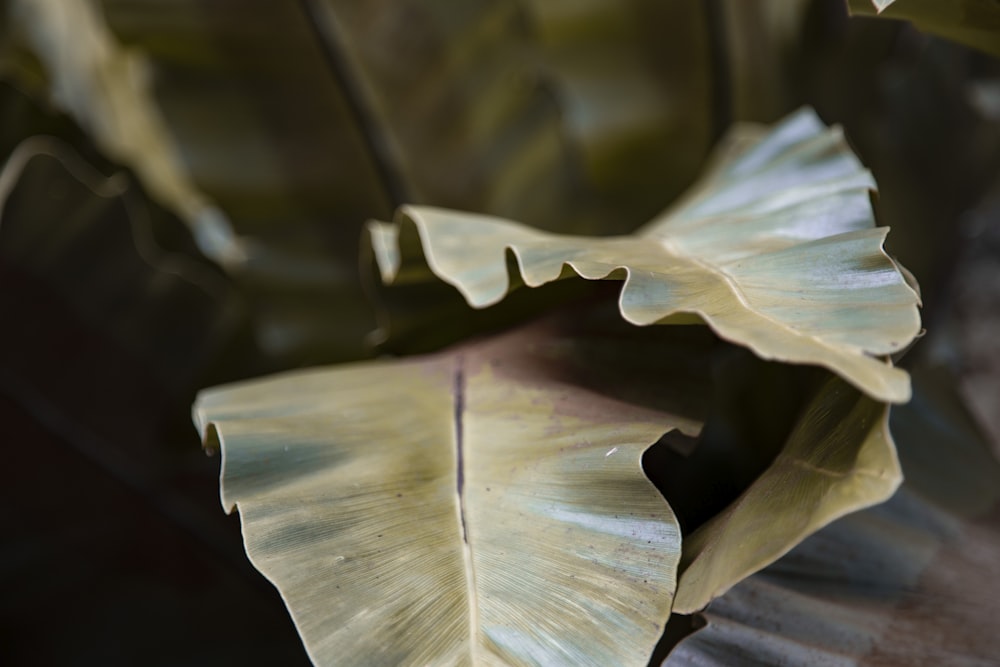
(512,255)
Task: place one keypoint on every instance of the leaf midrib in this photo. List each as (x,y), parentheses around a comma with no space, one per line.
(458,391)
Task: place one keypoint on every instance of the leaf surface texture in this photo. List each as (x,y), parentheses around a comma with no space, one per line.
(485,506)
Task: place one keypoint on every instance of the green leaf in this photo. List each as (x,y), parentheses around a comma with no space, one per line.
(775,249)
(484,506)
(975,23)
(564,116)
(267,170)
(638,125)
(912,581)
(277,150)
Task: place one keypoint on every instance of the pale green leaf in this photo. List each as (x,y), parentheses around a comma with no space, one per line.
(775,249)
(839,458)
(314,461)
(910,582)
(975,23)
(484,506)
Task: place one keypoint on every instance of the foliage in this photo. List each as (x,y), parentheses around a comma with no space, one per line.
(774,249)
(474,414)
(878,587)
(609,424)
(556,548)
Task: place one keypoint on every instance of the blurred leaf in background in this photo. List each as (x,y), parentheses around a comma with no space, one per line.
(276,130)
(109,552)
(906,101)
(975,23)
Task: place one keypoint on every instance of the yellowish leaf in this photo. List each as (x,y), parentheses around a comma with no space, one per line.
(912,581)
(775,249)
(839,458)
(484,506)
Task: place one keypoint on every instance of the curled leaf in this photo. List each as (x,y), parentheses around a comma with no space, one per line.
(838,459)
(775,249)
(911,581)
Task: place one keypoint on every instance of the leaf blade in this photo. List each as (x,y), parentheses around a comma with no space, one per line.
(799,275)
(573,549)
(904,582)
(840,458)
